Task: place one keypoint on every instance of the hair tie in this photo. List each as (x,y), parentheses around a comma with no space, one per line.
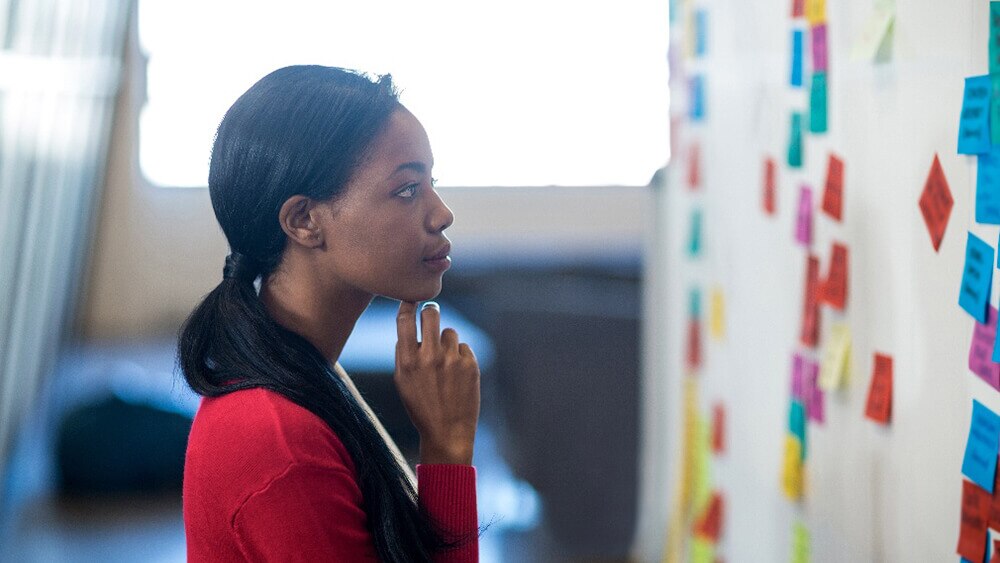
(241,267)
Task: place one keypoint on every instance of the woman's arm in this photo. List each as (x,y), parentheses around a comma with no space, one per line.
(448,493)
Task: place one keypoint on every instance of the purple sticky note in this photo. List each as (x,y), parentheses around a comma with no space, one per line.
(819,48)
(803,225)
(797,382)
(812,391)
(981,350)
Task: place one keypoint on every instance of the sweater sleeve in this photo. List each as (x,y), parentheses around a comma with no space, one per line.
(448,494)
(307,513)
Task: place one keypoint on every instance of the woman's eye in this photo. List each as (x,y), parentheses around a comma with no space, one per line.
(408,191)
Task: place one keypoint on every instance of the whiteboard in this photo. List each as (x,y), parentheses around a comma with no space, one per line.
(873,493)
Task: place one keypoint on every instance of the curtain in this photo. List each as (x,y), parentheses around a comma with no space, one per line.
(60,68)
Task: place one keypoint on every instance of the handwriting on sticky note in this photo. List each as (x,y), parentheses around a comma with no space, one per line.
(803,223)
(817,103)
(973,531)
(819,56)
(835,285)
(833,188)
(770,185)
(810,304)
(936,203)
(980,461)
(835,369)
(982,351)
(879,407)
(795,141)
(977,278)
(796,73)
(974,125)
(988,186)
(812,391)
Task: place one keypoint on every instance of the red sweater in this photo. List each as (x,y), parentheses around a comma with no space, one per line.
(268,480)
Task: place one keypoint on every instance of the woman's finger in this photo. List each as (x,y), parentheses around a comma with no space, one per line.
(406,325)
(464,350)
(449,339)
(430,324)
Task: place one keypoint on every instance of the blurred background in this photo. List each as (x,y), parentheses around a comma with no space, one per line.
(548,121)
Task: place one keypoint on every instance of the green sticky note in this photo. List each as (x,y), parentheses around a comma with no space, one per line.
(694,244)
(702,551)
(795,141)
(995,107)
(800,543)
(994,37)
(817,103)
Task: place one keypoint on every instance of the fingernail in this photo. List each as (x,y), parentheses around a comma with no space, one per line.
(430,304)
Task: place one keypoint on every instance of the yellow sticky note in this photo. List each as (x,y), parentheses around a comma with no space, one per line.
(717,314)
(791,476)
(815,12)
(702,467)
(800,543)
(835,369)
(702,551)
(689,440)
(876,32)
(673,551)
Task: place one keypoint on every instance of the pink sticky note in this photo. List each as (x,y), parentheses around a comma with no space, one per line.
(819,48)
(813,392)
(981,350)
(803,225)
(797,373)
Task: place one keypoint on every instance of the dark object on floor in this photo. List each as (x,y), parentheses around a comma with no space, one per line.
(117,447)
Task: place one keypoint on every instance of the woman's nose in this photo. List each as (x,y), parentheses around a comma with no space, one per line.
(441,216)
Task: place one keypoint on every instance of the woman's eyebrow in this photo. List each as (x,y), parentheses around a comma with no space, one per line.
(416,166)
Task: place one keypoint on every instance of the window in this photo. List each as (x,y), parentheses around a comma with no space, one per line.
(518,93)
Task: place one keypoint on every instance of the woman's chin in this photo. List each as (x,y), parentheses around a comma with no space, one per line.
(415,295)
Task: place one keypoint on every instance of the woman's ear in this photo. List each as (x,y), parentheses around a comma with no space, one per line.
(298,218)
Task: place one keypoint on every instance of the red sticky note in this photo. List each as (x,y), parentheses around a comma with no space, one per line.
(994,519)
(694,344)
(798,8)
(710,524)
(694,166)
(810,304)
(996,552)
(719,428)
(981,350)
(973,529)
(834,290)
(833,192)
(936,203)
(770,185)
(879,406)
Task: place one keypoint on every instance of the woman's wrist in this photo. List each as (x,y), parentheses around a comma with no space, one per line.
(453,454)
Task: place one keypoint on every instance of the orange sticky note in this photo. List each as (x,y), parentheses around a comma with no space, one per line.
(879,406)
(694,166)
(834,290)
(833,192)
(719,428)
(770,185)
(972,533)
(710,525)
(810,304)
(936,203)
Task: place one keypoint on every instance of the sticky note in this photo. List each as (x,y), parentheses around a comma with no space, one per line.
(973,531)
(815,12)
(977,278)
(982,352)
(835,285)
(796,74)
(974,124)
(812,391)
(701,32)
(800,544)
(833,188)
(994,37)
(817,103)
(702,551)
(980,461)
(717,314)
(995,108)
(835,368)
(988,187)
(798,8)
(879,405)
(797,424)
(819,56)
(694,344)
(809,336)
(791,474)
(795,141)
(694,166)
(696,98)
(798,377)
(709,526)
(702,492)
(718,428)
(770,185)
(803,222)
(876,37)
(936,203)
(694,242)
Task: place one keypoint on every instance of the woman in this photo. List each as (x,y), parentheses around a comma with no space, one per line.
(321,182)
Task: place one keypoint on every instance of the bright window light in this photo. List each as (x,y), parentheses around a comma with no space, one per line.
(514,93)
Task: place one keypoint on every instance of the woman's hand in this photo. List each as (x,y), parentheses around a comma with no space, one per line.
(438,381)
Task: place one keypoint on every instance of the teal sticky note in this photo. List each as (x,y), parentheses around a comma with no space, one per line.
(695,305)
(974,125)
(977,278)
(994,37)
(795,141)
(797,423)
(980,461)
(817,103)
(988,186)
(694,243)
(797,41)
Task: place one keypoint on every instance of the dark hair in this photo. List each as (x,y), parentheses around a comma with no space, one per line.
(299,130)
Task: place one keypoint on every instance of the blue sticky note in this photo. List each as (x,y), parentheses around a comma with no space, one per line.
(797,41)
(974,124)
(977,279)
(696,102)
(797,424)
(988,186)
(701,32)
(980,461)
(994,37)
(817,103)
(795,141)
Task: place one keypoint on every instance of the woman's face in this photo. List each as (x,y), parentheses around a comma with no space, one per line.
(385,230)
